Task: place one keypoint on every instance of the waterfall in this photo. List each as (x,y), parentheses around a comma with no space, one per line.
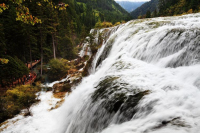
(145,79)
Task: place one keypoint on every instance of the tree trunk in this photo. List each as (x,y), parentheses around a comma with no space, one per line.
(22,80)
(41,53)
(56,42)
(2,85)
(30,53)
(54,48)
(12,80)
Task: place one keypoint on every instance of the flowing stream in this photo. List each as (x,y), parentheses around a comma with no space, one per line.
(145,79)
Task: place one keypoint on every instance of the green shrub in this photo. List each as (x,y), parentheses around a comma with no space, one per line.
(58,69)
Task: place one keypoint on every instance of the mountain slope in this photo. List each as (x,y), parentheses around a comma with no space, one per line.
(107,10)
(151,6)
(130,6)
(175,7)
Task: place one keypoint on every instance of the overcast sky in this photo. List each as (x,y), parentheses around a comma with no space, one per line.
(133,0)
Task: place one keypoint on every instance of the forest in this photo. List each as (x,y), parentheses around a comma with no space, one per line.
(176,7)
(46,31)
(142,10)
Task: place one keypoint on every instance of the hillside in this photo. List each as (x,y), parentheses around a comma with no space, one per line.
(40,29)
(107,10)
(156,8)
(129,6)
(175,7)
(142,10)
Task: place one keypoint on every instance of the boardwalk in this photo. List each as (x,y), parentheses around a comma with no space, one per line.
(23,80)
(33,64)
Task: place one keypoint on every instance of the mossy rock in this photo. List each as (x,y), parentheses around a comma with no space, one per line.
(86,57)
(113,101)
(67,81)
(80,65)
(66,88)
(117,96)
(48,88)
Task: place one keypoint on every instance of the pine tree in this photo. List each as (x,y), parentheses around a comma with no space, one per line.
(148,14)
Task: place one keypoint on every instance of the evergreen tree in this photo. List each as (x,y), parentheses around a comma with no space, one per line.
(148,14)
(155,14)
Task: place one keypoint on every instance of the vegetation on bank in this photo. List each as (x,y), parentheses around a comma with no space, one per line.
(100,25)
(16,99)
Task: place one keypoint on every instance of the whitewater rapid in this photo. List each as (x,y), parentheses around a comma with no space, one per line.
(144,79)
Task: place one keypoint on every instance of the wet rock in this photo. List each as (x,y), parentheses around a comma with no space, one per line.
(61,87)
(80,65)
(57,87)
(66,88)
(113,96)
(175,122)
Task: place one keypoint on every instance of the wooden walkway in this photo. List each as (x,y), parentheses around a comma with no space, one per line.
(24,80)
(33,64)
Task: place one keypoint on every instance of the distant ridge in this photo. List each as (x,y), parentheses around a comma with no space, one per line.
(151,6)
(129,6)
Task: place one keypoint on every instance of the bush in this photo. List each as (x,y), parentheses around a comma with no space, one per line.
(58,69)
(103,24)
(117,23)
(16,99)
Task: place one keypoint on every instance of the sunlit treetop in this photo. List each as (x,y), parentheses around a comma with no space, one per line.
(23,13)
(3,7)
(3,61)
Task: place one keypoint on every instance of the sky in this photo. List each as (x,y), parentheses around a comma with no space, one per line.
(133,0)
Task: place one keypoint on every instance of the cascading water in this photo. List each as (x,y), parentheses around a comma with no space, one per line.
(145,79)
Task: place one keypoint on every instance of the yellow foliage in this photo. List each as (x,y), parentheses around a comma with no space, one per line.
(17,99)
(123,22)
(190,11)
(23,12)
(103,24)
(24,16)
(117,23)
(4,61)
(139,17)
(107,24)
(39,4)
(3,7)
